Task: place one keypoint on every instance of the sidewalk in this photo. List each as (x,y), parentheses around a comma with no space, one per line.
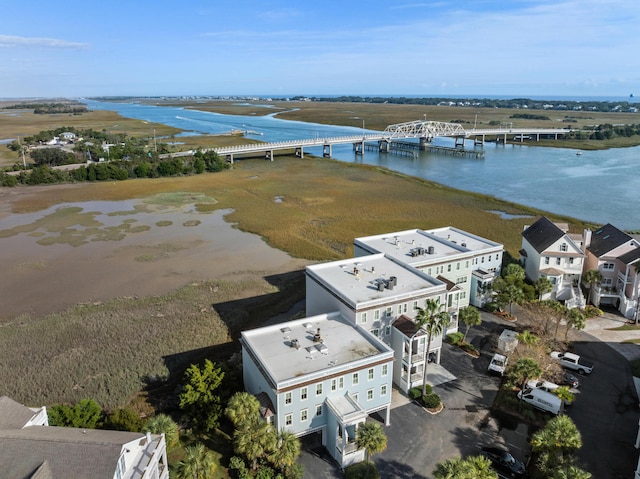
(601,328)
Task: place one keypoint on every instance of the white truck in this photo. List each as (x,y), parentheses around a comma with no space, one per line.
(573,361)
(498,364)
(507,343)
(543,400)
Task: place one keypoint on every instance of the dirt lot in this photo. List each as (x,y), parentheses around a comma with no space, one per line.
(94,251)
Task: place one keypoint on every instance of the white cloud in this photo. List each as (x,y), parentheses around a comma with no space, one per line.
(12,41)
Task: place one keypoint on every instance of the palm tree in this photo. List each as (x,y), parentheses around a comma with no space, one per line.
(513,294)
(471,317)
(474,467)
(543,286)
(565,394)
(528,338)
(524,369)
(575,319)
(561,312)
(286,451)
(242,407)
(255,440)
(592,277)
(553,442)
(163,424)
(570,472)
(198,463)
(372,439)
(434,321)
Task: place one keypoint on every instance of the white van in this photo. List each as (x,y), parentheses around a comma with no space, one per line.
(543,400)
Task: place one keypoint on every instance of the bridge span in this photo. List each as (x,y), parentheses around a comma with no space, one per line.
(425,131)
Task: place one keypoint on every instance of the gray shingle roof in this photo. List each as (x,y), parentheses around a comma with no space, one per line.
(62,452)
(631,256)
(542,234)
(606,239)
(13,415)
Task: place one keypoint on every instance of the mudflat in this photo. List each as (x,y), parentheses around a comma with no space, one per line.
(93,251)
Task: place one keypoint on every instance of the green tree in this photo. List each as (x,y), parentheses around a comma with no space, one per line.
(124,419)
(255,441)
(372,439)
(570,471)
(86,414)
(163,424)
(198,463)
(199,398)
(434,320)
(471,317)
(523,370)
(565,394)
(575,319)
(555,443)
(286,452)
(242,408)
(514,271)
(592,277)
(473,467)
(543,286)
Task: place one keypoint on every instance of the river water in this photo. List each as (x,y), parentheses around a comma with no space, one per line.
(597,186)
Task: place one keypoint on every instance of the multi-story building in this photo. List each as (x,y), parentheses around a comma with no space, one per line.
(29,448)
(323,374)
(549,251)
(466,262)
(616,255)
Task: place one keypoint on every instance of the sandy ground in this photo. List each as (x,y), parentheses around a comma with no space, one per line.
(50,261)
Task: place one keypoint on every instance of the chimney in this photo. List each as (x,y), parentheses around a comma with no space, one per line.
(587,237)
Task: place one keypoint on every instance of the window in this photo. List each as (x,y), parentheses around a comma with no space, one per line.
(563,247)
(463,294)
(376,314)
(429,271)
(546,260)
(370,374)
(334,384)
(287,398)
(449,268)
(303,415)
(303,394)
(607,266)
(466,264)
(354,379)
(355,397)
(570,260)
(318,389)
(415,305)
(363,318)
(385,369)
(288,419)
(457,266)
(383,390)
(319,410)
(341,382)
(375,332)
(387,330)
(369,394)
(558,260)
(482,260)
(404,307)
(399,309)
(389,312)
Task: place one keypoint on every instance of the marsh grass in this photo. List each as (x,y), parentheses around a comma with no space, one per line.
(107,351)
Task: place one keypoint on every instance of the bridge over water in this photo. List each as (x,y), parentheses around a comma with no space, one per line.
(387,140)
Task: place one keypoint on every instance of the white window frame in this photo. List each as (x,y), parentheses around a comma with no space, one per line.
(288,397)
(370,394)
(318,389)
(383,390)
(319,410)
(385,369)
(355,378)
(304,415)
(304,394)
(288,419)
(371,374)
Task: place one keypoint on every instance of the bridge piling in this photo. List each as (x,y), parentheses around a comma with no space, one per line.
(300,152)
(326,150)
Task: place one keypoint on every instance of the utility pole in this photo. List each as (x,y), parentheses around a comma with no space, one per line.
(155,145)
(24,163)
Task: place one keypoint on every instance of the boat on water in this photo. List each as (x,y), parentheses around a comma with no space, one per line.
(578,153)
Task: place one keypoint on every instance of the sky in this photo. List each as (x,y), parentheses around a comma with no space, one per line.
(480,48)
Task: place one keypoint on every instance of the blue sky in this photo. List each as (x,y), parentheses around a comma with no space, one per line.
(277,47)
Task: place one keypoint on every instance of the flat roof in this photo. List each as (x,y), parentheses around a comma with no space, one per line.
(344,345)
(357,280)
(420,247)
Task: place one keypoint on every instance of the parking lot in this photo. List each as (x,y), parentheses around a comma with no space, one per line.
(605,412)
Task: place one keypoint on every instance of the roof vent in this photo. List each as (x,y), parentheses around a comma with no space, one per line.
(464,245)
(317,338)
(294,344)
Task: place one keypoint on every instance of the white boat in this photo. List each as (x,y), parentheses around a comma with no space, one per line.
(578,153)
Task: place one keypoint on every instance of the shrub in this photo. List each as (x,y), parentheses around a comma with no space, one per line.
(431,401)
(415,393)
(359,471)
(124,419)
(591,311)
(455,338)
(491,307)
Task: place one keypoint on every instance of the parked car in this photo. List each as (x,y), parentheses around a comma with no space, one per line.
(570,380)
(503,461)
(547,386)
(573,361)
(498,364)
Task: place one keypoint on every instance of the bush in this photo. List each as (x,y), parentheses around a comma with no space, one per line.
(359,471)
(591,311)
(431,400)
(415,393)
(455,338)
(491,307)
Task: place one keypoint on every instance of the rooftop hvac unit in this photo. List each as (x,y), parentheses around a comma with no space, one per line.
(393,280)
(431,250)
(381,285)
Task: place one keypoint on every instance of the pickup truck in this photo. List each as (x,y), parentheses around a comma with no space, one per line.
(573,361)
(498,364)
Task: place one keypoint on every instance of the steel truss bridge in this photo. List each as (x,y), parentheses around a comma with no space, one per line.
(425,131)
